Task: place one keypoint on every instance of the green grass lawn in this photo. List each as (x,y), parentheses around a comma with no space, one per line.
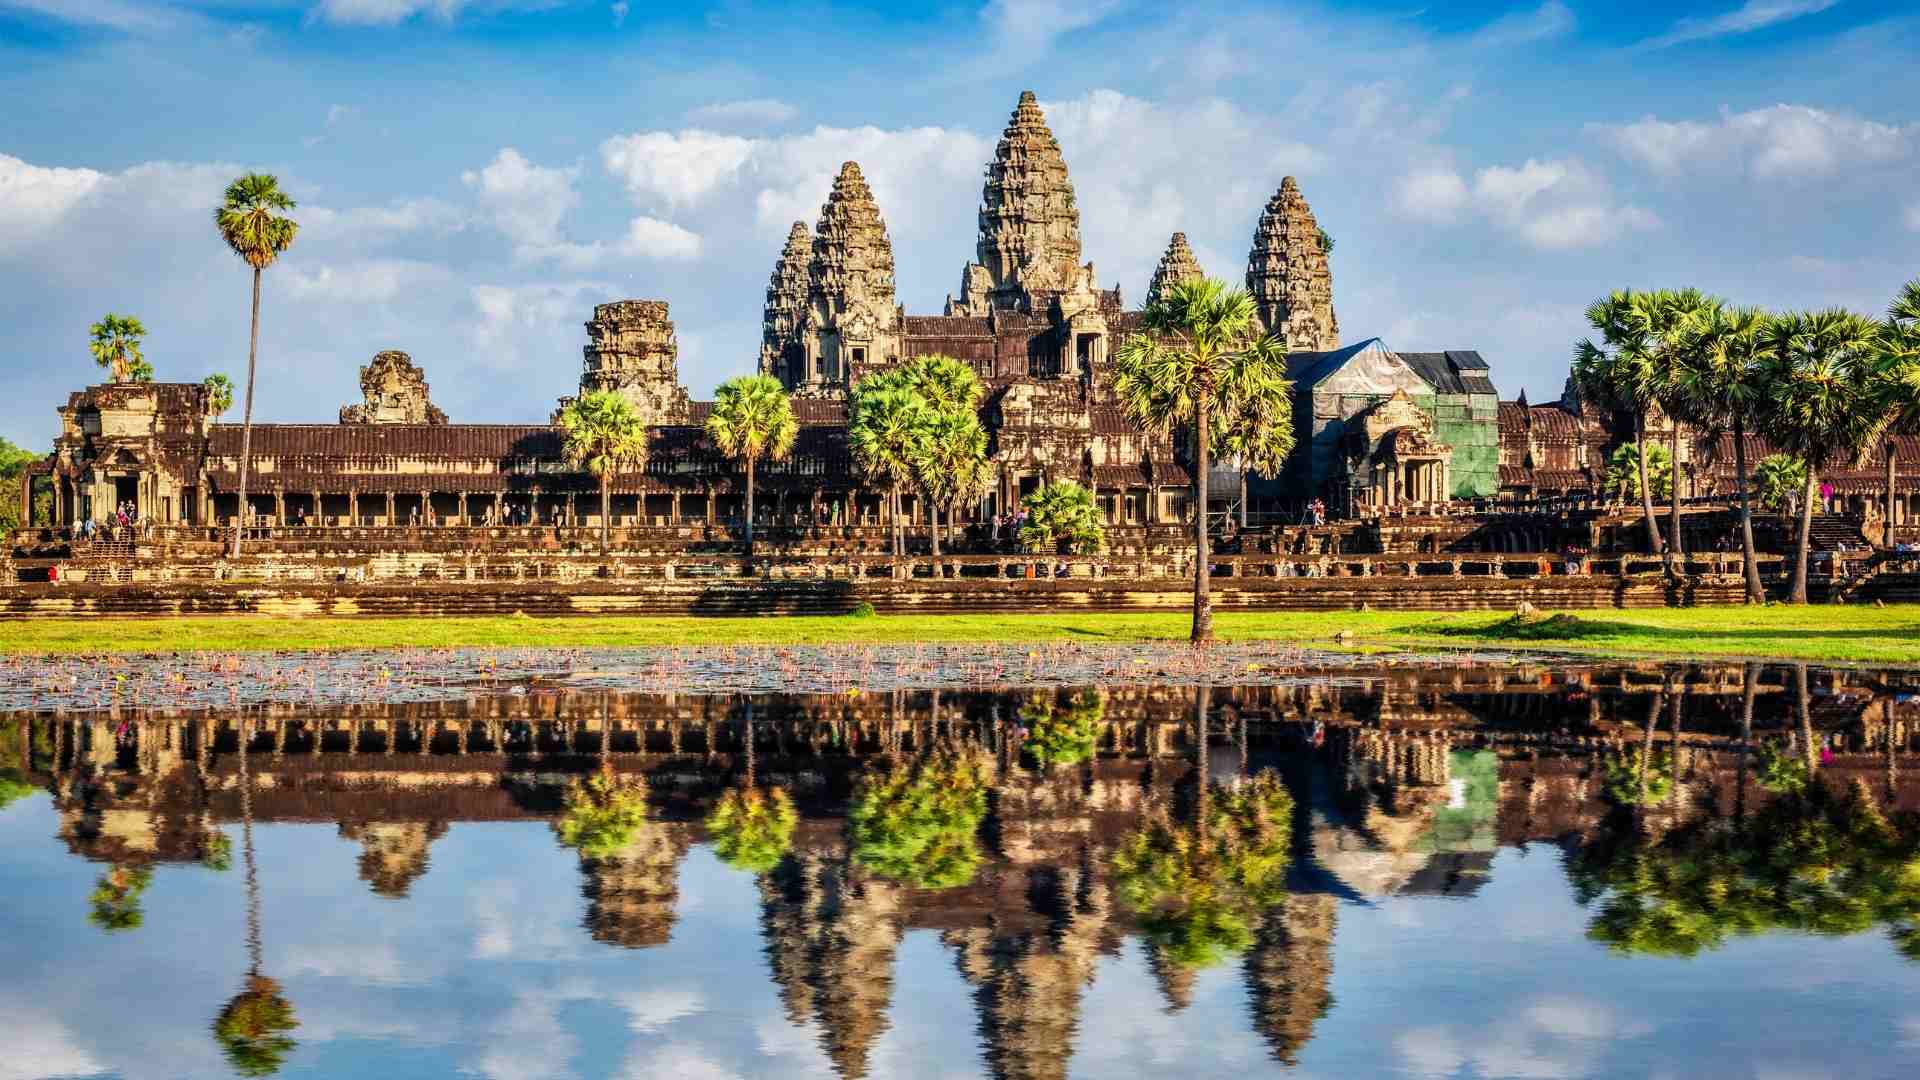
(1880,635)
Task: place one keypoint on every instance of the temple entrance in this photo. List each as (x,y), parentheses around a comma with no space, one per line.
(126,489)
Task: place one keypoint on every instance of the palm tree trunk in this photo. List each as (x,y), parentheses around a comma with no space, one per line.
(933,514)
(1202,568)
(1679,545)
(1654,546)
(1243,496)
(1755,594)
(893,514)
(606,511)
(749,506)
(1893,453)
(246,418)
(1802,549)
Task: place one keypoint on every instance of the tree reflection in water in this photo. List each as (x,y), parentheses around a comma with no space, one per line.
(254,1028)
(1062,733)
(916,821)
(1812,861)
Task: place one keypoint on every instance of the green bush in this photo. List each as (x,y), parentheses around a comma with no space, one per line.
(1062,516)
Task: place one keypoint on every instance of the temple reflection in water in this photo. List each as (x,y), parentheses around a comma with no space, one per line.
(1402,783)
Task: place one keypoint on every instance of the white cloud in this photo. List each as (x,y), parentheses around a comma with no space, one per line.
(114,14)
(1913,217)
(526,201)
(371,281)
(372,222)
(652,238)
(676,168)
(750,112)
(675,1062)
(1556,204)
(1550,20)
(1751,16)
(619,10)
(1435,194)
(392,12)
(33,198)
(515,322)
(1038,22)
(1787,142)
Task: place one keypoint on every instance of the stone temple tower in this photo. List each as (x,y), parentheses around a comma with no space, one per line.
(852,320)
(782,354)
(1288,276)
(1029,223)
(631,348)
(1177,265)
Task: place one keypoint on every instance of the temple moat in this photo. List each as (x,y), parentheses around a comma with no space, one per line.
(1062,861)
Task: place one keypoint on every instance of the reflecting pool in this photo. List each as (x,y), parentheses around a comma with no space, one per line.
(1499,868)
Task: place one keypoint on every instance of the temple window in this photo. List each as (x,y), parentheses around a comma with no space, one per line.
(1084,346)
(859,354)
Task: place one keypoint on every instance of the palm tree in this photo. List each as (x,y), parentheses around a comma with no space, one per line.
(951,465)
(887,430)
(219,394)
(1623,375)
(752,417)
(1895,396)
(604,435)
(1677,318)
(1063,513)
(947,384)
(1257,430)
(116,346)
(1780,481)
(1201,356)
(1819,367)
(1721,385)
(948,474)
(249,221)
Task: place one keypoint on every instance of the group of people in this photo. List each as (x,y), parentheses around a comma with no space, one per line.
(1315,513)
(124,516)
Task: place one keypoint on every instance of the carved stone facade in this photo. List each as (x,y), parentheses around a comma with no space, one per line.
(783,351)
(1288,276)
(1176,266)
(1029,246)
(851,322)
(396,393)
(631,348)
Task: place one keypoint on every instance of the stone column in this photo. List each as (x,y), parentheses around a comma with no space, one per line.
(426,508)
(390,508)
(463,508)
(279,506)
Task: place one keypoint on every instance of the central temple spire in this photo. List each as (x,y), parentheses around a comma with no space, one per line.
(1029,222)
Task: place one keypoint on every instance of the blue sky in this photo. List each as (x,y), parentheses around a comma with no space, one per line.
(475,174)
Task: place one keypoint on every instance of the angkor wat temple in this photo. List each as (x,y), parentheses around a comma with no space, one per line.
(1381,431)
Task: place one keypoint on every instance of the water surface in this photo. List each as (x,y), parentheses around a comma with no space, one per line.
(365,888)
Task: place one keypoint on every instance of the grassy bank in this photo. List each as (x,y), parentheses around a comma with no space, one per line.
(1883,635)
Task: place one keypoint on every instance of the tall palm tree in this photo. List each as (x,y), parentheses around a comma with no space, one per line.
(752,417)
(1676,317)
(1720,382)
(115,345)
(953,391)
(1257,430)
(1895,396)
(887,430)
(603,436)
(1819,368)
(1623,374)
(951,465)
(1201,355)
(947,384)
(249,219)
